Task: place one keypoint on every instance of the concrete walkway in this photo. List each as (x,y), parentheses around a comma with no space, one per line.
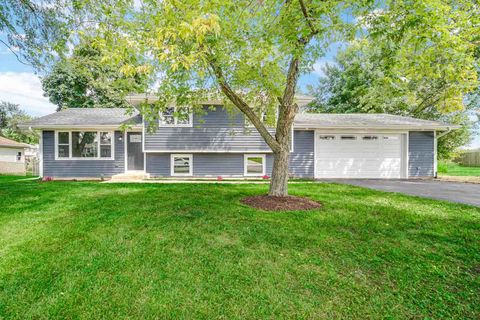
(467,193)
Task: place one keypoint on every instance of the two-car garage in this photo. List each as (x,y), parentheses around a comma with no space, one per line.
(360,155)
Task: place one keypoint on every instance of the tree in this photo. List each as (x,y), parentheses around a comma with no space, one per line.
(357,82)
(36,31)
(251,53)
(81,80)
(10,116)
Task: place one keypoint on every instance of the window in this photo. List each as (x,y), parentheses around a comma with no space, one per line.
(181,165)
(254,165)
(326,137)
(171,117)
(349,138)
(84,145)
(63,141)
(105,145)
(19,156)
(370,138)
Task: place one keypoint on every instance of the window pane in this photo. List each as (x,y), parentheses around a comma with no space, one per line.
(183,117)
(255,165)
(63,137)
(181,165)
(327,137)
(105,151)
(84,144)
(105,138)
(63,151)
(168,116)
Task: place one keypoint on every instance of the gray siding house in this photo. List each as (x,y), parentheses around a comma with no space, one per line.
(92,143)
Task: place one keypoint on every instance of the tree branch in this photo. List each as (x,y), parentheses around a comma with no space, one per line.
(243,106)
(307,17)
(15,54)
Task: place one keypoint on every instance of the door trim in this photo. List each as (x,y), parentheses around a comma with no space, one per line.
(125,154)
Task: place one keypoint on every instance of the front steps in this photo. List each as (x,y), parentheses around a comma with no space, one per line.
(130,177)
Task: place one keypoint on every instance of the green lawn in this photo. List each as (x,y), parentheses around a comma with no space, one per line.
(89,250)
(453,169)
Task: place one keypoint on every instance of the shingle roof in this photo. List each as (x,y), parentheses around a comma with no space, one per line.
(364,120)
(86,117)
(114,117)
(4,142)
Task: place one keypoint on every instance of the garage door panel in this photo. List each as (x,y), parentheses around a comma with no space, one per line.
(359,158)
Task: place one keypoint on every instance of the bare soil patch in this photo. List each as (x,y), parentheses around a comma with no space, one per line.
(289,203)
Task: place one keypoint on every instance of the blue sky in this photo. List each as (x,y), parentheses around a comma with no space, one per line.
(19,84)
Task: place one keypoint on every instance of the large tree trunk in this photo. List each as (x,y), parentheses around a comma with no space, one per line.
(279,183)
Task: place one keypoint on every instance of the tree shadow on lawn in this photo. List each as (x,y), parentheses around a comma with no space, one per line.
(195,251)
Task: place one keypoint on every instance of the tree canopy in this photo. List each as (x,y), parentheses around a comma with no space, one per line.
(356,83)
(37,31)
(10,116)
(81,80)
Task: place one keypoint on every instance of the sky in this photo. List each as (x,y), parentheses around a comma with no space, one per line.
(20,85)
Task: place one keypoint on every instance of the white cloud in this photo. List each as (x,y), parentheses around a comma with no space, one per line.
(25,89)
(320,65)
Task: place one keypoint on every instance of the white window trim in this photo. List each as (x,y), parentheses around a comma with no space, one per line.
(183,155)
(175,123)
(264,165)
(112,133)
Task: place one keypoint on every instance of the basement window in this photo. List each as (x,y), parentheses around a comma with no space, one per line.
(370,138)
(181,165)
(254,165)
(348,138)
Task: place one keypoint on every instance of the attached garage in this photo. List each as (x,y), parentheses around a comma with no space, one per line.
(360,155)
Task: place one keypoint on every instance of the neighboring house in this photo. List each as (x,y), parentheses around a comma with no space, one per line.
(12,156)
(89,143)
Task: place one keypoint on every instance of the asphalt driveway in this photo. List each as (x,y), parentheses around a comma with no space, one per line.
(467,193)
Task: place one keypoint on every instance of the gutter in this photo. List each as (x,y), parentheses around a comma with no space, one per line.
(446,132)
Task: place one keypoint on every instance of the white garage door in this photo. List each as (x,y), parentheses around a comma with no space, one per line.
(358,155)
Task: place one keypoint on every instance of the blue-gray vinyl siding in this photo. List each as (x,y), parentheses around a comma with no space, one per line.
(214,129)
(232,164)
(421,154)
(204,164)
(81,168)
(302,157)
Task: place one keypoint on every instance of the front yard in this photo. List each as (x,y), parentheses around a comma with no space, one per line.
(91,250)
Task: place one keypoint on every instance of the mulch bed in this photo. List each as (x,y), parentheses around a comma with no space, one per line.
(289,203)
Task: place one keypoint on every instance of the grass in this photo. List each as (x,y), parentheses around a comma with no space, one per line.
(90,250)
(453,169)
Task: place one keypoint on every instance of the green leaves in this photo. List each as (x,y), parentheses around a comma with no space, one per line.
(84,80)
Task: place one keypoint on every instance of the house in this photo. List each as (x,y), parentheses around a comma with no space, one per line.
(90,143)
(12,156)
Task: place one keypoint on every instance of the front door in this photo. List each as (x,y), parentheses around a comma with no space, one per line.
(134,151)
